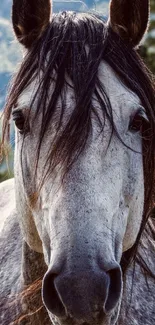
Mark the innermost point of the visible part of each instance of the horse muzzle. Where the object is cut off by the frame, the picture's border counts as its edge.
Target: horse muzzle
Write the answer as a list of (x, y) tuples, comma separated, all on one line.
[(84, 295)]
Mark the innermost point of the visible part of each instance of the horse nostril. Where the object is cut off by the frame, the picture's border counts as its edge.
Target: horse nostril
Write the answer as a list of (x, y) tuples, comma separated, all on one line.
[(84, 296), (114, 293), (50, 296)]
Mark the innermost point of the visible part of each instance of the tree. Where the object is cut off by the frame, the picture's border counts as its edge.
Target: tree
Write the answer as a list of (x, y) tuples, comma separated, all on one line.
[(148, 49)]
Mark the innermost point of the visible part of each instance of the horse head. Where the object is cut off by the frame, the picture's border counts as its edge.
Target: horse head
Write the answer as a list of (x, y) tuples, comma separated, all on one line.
[(81, 103)]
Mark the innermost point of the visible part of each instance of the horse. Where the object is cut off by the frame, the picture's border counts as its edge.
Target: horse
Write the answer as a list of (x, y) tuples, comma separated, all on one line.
[(77, 221)]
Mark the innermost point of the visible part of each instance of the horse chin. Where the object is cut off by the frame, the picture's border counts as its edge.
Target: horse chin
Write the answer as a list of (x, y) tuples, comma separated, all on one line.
[(110, 319)]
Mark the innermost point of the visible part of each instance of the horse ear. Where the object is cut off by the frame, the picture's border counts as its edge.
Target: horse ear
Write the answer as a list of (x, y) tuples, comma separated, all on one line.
[(129, 19), (30, 18)]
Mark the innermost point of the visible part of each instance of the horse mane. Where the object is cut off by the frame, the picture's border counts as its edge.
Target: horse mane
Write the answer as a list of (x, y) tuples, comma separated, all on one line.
[(62, 49)]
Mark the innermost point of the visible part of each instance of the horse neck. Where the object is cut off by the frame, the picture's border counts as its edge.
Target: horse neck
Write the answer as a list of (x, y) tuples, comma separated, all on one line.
[(146, 256)]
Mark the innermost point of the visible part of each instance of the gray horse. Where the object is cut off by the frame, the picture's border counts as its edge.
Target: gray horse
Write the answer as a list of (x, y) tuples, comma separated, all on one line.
[(80, 237)]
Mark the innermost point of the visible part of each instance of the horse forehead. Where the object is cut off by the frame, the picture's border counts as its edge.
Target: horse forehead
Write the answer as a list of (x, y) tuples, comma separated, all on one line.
[(116, 91)]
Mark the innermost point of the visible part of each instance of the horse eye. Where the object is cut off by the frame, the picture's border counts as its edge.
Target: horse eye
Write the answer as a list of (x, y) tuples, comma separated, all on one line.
[(19, 119), (138, 120)]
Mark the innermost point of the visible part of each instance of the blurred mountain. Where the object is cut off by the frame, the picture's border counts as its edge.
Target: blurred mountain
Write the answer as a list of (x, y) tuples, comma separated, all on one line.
[(9, 55), (5, 8)]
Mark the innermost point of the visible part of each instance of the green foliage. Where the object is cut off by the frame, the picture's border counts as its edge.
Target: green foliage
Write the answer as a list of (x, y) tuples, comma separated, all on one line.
[(152, 5), (148, 49), (6, 170), (6, 160)]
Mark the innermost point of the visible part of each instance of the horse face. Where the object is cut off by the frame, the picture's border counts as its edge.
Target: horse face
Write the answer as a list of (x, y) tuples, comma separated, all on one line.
[(85, 223)]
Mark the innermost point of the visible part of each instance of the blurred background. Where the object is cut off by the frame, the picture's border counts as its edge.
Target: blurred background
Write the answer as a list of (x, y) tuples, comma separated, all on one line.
[(10, 54)]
